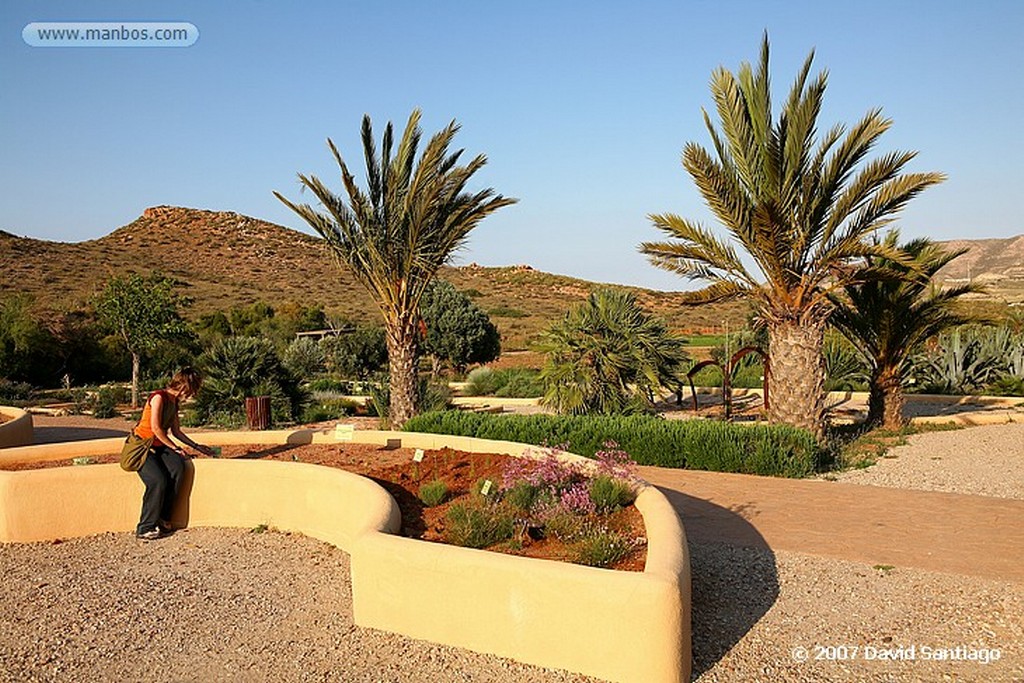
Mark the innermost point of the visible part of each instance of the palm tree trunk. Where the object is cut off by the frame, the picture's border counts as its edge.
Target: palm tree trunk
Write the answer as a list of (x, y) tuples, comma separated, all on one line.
[(797, 374), (402, 337), (135, 381), (886, 401)]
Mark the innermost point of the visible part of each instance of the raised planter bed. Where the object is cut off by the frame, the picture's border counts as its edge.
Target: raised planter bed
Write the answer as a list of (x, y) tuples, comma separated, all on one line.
[(620, 626), (15, 427)]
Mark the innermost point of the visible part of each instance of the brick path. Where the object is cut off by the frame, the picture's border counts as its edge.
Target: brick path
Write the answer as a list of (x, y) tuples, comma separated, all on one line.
[(946, 532)]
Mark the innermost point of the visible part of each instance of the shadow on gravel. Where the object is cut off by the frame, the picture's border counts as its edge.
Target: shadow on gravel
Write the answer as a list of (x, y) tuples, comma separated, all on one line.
[(734, 576)]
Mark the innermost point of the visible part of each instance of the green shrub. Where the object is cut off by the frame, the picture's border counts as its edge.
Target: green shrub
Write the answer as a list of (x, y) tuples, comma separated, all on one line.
[(328, 409), (507, 383), (14, 391), (610, 494), (601, 549), (107, 400), (481, 381), (522, 495), (477, 526), (565, 526), (773, 450), (433, 493)]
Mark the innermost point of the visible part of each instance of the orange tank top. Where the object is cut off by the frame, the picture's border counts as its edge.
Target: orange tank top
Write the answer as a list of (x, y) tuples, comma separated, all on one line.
[(170, 408)]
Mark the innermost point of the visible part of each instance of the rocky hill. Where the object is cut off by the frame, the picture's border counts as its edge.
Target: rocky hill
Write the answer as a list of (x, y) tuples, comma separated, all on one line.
[(224, 259), (998, 263)]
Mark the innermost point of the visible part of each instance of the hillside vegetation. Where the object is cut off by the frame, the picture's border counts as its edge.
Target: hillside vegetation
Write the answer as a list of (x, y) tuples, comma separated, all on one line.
[(224, 259)]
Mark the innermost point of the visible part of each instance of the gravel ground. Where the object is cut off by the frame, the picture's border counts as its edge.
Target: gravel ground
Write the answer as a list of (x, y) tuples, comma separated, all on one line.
[(231, 605), (985, 461), (207, 605)]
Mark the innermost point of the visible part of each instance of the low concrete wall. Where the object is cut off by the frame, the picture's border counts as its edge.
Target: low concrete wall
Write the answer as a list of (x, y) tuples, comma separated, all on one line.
[(17, 429), (620, 626)]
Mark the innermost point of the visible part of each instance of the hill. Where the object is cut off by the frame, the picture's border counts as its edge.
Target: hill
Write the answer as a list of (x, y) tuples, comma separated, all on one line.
[(224, 259), (998, 263)]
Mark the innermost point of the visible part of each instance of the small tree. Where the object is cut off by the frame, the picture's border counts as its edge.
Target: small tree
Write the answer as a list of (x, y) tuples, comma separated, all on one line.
[(359, 353), (890, 316), (607, 356), (458, 331), (142, 312)]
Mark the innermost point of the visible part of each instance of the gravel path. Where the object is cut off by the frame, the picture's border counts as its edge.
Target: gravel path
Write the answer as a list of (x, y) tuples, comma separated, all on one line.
[(231, 605), (985, 461)]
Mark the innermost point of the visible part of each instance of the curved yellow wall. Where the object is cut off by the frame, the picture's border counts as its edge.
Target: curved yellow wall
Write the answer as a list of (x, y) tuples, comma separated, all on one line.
[(620, 626), (17, 430)]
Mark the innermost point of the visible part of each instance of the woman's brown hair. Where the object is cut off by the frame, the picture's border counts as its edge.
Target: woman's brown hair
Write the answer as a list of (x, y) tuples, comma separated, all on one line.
[(186, 382)]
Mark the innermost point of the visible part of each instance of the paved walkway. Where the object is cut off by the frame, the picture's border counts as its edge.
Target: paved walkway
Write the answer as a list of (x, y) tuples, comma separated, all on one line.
[(945, 532)]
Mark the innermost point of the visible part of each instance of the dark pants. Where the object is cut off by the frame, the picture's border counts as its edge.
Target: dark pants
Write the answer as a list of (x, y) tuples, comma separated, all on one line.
[(162, 474)]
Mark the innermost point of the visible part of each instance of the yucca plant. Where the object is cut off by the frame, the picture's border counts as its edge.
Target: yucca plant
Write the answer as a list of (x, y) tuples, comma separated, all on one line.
[(887, 318), (396, 235), (802, 208)]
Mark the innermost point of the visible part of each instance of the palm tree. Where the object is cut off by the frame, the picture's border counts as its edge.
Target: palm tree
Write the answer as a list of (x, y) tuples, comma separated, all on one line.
[(889, 317), (801, 209), (396, 235), (607, 356)]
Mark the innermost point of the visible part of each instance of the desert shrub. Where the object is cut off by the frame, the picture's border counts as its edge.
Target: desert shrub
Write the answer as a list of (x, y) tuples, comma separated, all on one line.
[(1006, 386), (329, 384), (520, 383), (14, 391), (773, 450), (564, 525), (601, 549), (323, 409), (477, 526), (107, 400), (507, 383), (239, 367), (482, 381), (431, 397), (608, 493), (433, 493), (522, 495), (304, 357), (358, 354)]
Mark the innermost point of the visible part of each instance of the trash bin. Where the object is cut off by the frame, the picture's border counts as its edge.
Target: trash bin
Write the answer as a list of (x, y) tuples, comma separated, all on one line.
[(257, 412)]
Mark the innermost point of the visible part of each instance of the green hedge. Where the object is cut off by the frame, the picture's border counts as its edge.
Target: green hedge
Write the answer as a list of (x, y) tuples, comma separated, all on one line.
[(772, 450)]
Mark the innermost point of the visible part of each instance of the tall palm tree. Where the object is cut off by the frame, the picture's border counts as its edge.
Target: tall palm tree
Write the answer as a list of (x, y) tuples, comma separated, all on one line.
[(607, 355), (888, 318), (397, 234), (801, 208)]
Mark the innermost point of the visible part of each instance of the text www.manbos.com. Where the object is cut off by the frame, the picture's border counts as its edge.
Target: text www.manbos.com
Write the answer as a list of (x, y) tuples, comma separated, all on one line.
[(110, 34)]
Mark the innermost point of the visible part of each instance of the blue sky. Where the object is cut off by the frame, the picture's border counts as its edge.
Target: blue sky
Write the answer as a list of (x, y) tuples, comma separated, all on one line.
[(581, 108)]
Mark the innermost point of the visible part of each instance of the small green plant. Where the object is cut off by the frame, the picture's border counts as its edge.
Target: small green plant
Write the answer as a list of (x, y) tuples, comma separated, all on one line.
[(565, 526), (884, 568), (478, 526), (602, 549), (609, 493), (433, 493), (82, 461), (259, 529), (522, 495)]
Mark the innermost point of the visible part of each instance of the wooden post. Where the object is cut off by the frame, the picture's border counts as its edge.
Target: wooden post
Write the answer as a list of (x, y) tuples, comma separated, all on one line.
[(257, 412)]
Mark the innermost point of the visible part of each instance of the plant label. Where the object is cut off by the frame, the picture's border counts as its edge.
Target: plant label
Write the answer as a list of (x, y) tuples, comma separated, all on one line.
[(343, 432), (418, 455), (485, 488)]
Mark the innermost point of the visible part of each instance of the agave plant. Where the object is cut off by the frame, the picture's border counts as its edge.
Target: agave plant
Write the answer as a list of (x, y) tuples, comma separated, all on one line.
[(960, 361)]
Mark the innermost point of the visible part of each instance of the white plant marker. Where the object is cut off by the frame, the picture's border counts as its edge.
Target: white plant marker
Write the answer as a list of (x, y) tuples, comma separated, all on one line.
[(485, 488), (418, 455), (343, 432)]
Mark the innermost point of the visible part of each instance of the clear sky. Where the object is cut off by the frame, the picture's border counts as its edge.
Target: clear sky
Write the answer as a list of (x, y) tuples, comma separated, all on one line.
[(581, 108)]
